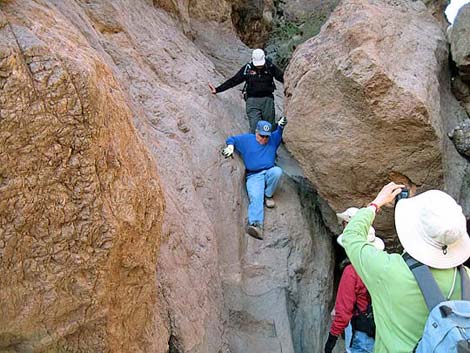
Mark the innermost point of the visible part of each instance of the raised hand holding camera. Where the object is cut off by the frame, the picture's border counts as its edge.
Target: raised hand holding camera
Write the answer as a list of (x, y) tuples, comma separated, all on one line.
[(388, 194)]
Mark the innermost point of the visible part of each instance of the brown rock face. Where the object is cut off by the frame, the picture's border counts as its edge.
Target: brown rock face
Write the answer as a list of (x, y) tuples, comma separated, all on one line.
[(437, 8), (80, 202), (363, 98)]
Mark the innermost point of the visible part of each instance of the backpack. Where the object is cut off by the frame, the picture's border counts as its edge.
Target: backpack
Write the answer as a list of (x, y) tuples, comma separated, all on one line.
[(447, 328), (364, 322), (249, 66)]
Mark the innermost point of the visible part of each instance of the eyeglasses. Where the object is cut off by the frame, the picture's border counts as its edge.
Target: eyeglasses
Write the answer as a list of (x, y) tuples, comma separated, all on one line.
[(264, 137)]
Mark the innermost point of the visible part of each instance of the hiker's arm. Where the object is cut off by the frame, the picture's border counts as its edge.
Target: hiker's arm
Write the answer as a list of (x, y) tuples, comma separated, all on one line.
[(276, 136), (345, 300), (278, 74), (236, 141), (370, 263), (232, 82)]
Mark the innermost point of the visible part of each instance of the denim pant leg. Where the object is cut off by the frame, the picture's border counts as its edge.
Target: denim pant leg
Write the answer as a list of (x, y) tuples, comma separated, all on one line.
[(361, 343), (272, 176), (347, 338), (255, 190)]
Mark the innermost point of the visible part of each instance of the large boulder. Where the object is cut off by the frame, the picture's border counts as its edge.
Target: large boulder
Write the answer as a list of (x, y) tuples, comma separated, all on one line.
[(81, 208), (364, 101)]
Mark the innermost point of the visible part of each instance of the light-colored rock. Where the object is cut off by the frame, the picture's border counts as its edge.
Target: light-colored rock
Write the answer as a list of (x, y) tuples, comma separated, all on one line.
[(460, 42), (437, 9), (460, 135)]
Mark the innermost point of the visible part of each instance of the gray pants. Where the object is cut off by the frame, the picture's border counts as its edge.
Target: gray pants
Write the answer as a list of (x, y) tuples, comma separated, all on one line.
[(260, 109)]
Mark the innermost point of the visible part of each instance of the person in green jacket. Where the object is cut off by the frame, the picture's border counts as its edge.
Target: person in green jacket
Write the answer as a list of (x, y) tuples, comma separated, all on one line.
[(432, 229)]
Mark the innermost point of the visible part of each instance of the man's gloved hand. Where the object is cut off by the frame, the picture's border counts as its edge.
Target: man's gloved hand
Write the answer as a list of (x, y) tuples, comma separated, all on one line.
[(228, 151), (330, 343), (282, 122)]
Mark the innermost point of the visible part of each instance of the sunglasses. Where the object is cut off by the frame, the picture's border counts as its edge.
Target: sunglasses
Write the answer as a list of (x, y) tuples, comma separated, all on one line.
[(264, 137)]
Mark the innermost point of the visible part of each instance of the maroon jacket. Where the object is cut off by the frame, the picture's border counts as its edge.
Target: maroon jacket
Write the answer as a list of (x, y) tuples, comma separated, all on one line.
[(352, 295)]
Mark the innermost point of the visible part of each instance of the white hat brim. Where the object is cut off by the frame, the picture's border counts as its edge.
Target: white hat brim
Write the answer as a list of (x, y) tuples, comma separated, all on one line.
[(411, 235)]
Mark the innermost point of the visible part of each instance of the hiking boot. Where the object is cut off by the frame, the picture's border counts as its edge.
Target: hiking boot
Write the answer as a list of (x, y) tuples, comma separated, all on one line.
[(269, 202), (255, 230)]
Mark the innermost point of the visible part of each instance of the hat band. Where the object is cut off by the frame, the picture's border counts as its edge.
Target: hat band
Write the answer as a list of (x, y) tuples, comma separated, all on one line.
[(436, 244)]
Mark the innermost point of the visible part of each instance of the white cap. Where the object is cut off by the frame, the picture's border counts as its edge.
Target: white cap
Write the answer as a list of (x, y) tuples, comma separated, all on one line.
[(347, 215), (258, 57), (371, 239)]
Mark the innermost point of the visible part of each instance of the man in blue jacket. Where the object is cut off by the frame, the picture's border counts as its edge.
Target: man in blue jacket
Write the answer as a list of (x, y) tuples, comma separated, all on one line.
[(258, 152)]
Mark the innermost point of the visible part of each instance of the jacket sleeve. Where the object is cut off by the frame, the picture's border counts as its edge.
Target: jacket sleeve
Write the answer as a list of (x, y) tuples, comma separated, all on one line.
[(345, 301), (278, 73), (370, 263), (237, 142), (276, 136), (231, 140), (232, 82)]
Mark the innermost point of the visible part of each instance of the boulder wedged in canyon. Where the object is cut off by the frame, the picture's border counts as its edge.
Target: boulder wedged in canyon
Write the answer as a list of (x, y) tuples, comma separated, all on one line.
[(379, 105), (135, 68), (81, 206)]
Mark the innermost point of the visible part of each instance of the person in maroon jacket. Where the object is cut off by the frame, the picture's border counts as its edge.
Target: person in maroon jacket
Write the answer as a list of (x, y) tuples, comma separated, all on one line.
[(352, 301)]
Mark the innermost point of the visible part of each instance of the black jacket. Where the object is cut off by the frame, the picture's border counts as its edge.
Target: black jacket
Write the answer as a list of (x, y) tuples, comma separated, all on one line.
[(259, 82)]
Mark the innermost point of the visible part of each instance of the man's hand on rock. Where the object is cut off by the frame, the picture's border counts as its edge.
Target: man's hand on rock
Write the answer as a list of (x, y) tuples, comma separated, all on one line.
[(212, 88), (228, 151)]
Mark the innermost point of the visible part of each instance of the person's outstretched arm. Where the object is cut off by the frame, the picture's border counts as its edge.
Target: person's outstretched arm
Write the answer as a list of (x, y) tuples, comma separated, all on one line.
[(370, 263), (231, 82)]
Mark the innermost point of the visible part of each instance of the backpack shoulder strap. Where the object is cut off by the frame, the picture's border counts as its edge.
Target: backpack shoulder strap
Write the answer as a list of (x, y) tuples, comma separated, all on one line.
[(247, 67), (465, 283), (426, 282)]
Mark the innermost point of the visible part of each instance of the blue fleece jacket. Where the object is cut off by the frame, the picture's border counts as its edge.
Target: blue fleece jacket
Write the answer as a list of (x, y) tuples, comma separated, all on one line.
[(257, 157)]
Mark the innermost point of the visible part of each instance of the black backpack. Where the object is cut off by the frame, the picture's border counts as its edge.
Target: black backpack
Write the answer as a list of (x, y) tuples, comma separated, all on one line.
[(364, 321), (248, 66)]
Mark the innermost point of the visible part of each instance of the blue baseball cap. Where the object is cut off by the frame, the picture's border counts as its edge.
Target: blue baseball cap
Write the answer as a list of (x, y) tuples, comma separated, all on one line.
[(263, 128)]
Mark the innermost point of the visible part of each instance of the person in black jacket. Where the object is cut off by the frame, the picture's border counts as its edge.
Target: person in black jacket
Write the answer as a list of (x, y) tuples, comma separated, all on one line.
[(258, 76)]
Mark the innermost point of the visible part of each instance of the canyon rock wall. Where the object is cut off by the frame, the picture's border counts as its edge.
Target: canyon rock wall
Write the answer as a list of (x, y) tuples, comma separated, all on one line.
[(80, 200)]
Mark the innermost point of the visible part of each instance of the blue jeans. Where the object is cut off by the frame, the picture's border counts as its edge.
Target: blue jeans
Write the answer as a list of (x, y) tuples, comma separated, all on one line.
[(347, 338), (361, 343), (258, 186)]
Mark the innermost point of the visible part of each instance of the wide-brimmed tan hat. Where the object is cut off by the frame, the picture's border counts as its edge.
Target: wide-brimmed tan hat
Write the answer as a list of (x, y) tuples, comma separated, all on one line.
[(346, 215), (371, 238), (432, 229)]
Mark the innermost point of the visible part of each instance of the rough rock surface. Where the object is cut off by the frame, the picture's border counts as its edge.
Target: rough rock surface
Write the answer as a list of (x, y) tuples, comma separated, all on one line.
[(131, 67), (461, 137), (80, 203), (437, 8), (374, 79), (460, 42), (299, 10)]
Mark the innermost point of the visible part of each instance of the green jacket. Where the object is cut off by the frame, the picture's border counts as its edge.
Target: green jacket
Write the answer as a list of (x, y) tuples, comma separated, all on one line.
[(399, 308)]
